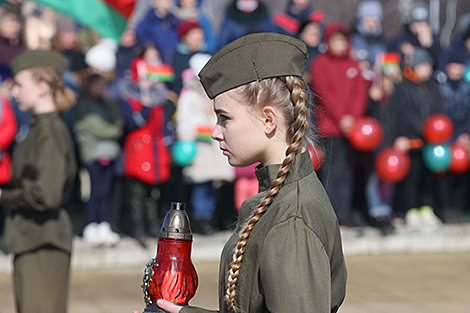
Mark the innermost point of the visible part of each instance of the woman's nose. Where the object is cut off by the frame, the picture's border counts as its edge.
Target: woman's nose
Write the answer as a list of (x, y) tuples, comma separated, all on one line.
[(216, 133)]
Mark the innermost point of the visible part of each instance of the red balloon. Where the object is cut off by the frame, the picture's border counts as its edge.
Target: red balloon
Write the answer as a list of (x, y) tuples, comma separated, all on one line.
[(460, 159), (438, 129), (366, 134), (392, 165), (316, 154)]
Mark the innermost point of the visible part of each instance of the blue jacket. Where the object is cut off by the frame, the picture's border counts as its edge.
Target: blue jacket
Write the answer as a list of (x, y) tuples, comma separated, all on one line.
[(456, 96), (237, 24), (162, 32)]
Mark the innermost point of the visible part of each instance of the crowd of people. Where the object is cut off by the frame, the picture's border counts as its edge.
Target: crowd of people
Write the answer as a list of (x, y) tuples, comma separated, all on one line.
[(142, 122)]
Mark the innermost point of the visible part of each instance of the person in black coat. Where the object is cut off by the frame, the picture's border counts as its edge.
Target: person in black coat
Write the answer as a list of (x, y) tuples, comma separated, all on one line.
[(455, 91), (413, 101), (417, 34)]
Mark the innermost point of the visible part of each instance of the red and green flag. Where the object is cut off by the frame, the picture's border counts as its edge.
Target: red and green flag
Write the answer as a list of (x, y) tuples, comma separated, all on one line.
[(107, 17), (161, 72), (388, 59)]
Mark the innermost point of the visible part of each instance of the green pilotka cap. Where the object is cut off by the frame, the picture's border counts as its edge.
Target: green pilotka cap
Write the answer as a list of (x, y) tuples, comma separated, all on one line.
[(253, 57), (34, 58)]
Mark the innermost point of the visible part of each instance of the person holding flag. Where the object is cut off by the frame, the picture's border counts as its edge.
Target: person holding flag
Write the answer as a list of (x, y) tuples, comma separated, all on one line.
[(143, 100)]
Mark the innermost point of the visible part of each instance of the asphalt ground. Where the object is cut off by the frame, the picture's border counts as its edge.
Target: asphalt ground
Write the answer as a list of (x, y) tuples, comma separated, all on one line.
[(385, 283)]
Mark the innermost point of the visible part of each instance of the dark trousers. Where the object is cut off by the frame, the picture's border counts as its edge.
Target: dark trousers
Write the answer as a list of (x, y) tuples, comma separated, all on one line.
[(452, 197), (344, 173), (101, 177), (143, 202), (416, 190), (41, 280)]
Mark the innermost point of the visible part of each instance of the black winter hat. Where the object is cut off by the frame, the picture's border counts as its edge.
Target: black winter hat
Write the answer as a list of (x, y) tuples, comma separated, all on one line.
[(457, 56)]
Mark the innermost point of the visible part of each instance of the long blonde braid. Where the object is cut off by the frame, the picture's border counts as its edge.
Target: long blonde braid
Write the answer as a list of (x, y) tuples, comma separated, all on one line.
[(299, 118)]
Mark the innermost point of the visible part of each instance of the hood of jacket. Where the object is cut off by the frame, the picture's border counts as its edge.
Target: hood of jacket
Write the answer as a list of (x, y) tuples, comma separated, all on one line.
[(338, 27)]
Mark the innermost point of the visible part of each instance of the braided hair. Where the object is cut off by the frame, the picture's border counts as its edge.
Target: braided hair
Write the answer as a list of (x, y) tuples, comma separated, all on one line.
[(291, 95)]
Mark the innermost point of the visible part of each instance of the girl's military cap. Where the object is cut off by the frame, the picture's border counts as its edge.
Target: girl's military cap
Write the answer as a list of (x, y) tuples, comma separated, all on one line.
[(251, 58), (34, 58)]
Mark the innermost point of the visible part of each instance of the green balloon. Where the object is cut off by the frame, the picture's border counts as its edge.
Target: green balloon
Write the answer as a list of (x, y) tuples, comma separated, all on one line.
[(466, 74), (437, 157), (183, 152)]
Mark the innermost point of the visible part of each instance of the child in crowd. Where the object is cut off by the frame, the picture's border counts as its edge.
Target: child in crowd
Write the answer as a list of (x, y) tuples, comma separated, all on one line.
[(413, 101), (159, 27), (195, 120), (146, 154), (455, 91), (189, 10), (342, 97), (11, 35), (244, 17), (98, 126), (191, 42)]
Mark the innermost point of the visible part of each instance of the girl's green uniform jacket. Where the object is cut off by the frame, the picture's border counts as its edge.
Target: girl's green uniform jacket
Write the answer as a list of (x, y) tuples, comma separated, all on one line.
[(294, 259), (44, 167)]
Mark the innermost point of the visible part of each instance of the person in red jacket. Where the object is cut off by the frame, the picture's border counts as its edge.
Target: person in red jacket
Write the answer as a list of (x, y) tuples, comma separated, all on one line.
[(342, 98), (147, 157), (8, 128)]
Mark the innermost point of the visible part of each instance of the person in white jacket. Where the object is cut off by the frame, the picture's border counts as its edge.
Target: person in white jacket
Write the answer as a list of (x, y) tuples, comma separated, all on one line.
[(195, 120)]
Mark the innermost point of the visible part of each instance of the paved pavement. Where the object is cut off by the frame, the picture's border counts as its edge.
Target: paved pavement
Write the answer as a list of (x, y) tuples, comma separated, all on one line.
[(425, 271)]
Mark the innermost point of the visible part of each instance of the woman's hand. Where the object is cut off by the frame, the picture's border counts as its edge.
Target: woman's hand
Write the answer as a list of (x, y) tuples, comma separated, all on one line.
[(168, 306)]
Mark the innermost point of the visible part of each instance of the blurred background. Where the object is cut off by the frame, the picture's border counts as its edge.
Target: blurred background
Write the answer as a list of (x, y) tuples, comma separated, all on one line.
[(404, 210)]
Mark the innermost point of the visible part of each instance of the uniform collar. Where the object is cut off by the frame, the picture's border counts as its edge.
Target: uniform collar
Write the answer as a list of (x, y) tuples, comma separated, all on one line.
[(44, 117), (267, 174)]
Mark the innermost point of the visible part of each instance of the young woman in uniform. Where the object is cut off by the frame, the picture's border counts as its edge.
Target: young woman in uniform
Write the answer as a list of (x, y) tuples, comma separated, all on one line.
[(38, 231), (285, 254)]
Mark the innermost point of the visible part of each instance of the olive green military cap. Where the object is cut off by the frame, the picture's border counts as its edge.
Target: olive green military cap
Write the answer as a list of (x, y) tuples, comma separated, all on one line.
[(253, 57), (34, 58)]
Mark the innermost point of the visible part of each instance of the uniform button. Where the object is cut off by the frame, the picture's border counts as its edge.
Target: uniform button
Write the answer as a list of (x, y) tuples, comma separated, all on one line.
[(146, 138)]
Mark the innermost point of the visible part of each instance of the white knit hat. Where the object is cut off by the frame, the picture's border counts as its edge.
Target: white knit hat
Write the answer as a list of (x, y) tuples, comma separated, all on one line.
[(103, 55), (197, 62)]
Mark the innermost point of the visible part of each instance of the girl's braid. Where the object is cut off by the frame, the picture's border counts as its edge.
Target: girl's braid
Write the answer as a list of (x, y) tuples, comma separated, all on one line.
[(298, 129)]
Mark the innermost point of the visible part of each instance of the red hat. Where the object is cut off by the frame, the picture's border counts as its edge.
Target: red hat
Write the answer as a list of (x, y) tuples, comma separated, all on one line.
[(186, 26), (336, 27)]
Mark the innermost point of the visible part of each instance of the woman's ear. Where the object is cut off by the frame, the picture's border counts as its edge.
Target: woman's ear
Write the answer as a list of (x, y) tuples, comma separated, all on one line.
[(270, 120), (44, 88)]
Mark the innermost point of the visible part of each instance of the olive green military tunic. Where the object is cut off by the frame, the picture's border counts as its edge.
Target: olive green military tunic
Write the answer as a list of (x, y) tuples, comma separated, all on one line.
[(293, 260), (39, 229)]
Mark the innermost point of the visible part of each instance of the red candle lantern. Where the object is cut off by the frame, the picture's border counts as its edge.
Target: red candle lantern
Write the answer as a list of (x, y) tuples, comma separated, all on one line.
[(171, 274)]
